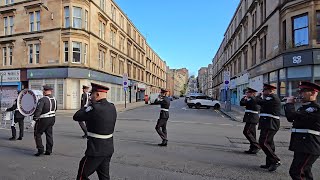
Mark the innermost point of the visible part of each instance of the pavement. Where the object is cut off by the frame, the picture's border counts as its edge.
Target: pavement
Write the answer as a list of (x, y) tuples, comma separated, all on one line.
[(237, 113), (204, 144)]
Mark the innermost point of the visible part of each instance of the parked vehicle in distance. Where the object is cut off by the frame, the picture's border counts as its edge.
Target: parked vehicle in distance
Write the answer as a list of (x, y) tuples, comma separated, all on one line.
[(203, 101), (175, 97), (153, 97), (192, 94)]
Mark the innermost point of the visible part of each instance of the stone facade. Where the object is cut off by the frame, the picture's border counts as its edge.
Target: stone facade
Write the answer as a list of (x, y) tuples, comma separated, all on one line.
[(77, 42)]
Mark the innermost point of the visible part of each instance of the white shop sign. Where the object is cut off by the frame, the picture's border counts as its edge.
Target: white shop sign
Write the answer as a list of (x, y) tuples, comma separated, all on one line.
[(10, 76), (256, 83)]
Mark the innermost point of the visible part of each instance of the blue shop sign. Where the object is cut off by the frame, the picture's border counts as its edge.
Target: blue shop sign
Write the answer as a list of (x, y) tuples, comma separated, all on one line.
[(47, 73)]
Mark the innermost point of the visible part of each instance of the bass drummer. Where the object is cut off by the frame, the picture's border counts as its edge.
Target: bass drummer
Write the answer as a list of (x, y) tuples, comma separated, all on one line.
[(18, 118)]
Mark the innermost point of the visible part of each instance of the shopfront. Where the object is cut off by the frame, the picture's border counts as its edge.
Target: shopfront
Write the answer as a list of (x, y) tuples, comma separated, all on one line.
[(12, 82), (67, 84), (242, 84), (233, 91)]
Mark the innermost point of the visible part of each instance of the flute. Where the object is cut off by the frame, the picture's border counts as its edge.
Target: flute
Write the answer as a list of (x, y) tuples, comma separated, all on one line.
[(295, 98)]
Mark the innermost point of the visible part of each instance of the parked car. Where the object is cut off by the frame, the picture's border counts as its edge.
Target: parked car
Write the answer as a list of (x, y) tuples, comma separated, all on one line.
[(192, 94), (203, 101), (175, 97)]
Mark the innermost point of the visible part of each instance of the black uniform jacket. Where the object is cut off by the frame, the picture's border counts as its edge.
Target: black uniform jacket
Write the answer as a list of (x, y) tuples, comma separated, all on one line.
[(270, 104), (164, 104), (306, 117), (84, 98), (17, 114), (250, 104), (44, 107), (100, 119)]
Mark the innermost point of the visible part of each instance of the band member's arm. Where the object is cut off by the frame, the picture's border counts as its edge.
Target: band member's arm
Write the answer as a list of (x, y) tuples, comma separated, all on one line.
[(291, 112), (13, 107), (83, 100), (259, 100), (83, 114), (243, 102), (38, 111)]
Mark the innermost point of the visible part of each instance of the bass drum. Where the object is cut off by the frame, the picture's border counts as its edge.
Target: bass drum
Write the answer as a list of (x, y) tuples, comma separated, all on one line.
[(28, 100)]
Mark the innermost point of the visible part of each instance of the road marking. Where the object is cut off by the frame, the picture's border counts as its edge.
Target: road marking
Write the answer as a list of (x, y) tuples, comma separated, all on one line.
[(225, 124)]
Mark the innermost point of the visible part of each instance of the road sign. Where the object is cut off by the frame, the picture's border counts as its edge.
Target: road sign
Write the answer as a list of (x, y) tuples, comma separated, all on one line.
[(125, 83)]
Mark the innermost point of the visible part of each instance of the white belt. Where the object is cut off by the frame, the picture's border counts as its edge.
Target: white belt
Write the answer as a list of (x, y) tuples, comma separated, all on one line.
[(164, 109), (99, 136), (269, 115), (309, 131), (250, 111), (47, 115)]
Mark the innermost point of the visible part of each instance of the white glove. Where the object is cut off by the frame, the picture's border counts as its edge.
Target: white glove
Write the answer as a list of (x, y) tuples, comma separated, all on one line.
[(32, 123)]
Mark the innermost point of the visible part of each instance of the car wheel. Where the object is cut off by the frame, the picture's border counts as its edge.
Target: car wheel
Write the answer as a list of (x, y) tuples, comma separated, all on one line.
[(216, 106), (198, 106), (190, 106)]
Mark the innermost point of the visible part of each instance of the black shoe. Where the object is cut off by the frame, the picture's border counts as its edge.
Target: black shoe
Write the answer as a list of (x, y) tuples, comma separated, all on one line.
[(265, 166), (20, 138), (250, 151), (47, 153), (84, 136), (39, 153), (12, 139), (164, 143), (274, 167)]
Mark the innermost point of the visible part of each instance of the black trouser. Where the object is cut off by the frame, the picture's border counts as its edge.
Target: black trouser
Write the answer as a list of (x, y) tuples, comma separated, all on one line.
[(249, 132), (88, 165), (267, 145), (21, 128), (161, 128), (44, 125), (83, 127), (301, 166)]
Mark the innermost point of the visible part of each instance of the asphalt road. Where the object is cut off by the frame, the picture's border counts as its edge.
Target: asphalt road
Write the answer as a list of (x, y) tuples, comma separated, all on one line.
[(203, 144)]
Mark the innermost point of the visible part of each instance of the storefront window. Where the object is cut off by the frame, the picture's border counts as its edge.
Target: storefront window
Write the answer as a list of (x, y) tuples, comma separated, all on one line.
[(273, 76), (282, 74), (283, 91)]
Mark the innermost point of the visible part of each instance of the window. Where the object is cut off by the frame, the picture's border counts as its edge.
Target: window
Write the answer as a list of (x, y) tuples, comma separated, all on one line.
[(5, 25), (121, 21), (300, 30), (134, 72), (66, 51), (112, 63), (37, 53), (4, 55), (103, 4), (101, 59), (129, 69), (129, 49), (76, 48), (254, 21), (263, 48), (113, 37), (113, 13), (121, 44), (77, 17), (102, 27), (129, 29), (245, 28), (66, 17), (85, 53), (246, 4), (34, 18), (284, 34), (8, 1), (30, 53), (121, 67), (254, 54), (86, 14), (318, 27), (11, 24), (38, 20), (239, 64), (10, 55), (262, 11)]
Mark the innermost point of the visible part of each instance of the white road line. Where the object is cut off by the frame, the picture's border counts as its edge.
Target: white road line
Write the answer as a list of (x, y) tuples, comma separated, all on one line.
[(225, 124)]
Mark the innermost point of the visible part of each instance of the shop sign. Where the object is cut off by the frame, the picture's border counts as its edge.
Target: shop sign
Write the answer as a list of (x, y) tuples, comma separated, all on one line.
[(141, 86), (298, 59), (10, 76), (47, 73), (244, 79), (267, 67)]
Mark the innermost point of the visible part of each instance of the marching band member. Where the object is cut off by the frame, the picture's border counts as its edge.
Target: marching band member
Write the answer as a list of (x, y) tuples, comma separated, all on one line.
[(44, 116), (269, 124), (18, 118), (84, 103), (100, 117), (305, 136)]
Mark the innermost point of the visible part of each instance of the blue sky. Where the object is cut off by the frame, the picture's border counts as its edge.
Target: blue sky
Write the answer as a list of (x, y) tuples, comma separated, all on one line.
[(184, 33)]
